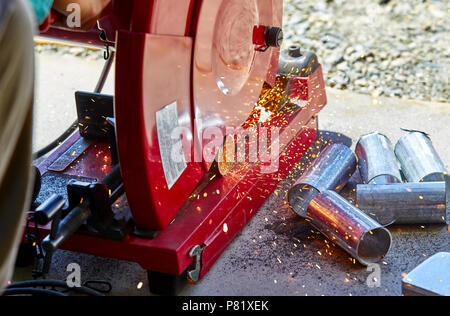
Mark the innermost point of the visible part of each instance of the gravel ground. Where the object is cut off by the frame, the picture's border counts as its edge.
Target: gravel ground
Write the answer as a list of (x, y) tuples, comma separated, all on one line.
[(81, 52), (397, 49), (400, 48)]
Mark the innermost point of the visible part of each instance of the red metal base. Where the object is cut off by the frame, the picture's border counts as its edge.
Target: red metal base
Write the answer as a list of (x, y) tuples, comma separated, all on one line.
[(192, 61), (212, 219), (213, 216)]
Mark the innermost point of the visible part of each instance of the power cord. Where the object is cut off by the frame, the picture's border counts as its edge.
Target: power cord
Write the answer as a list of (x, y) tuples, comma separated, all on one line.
[(50, 288)]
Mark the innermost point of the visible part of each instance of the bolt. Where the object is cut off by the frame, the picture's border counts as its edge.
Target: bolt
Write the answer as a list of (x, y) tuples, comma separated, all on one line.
[(274, 36), (295, 51)]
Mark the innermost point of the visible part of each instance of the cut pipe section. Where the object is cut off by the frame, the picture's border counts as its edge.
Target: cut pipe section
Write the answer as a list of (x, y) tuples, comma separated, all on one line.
[(345, 225), (419, 160), (406, 203), (376, 160), (331, 170)]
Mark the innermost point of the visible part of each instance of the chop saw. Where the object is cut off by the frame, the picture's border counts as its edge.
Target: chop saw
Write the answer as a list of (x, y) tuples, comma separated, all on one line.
[(162, 172)]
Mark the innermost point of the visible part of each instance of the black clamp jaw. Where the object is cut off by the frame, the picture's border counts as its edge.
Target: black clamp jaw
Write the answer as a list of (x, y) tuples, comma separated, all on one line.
[(89, 205)]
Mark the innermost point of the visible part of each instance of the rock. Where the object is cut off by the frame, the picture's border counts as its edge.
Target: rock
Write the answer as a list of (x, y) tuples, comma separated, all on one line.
[(334, 59), (343, 66), (340, 80), (77, 51), (361, 82), (400, 77), (301, 28)]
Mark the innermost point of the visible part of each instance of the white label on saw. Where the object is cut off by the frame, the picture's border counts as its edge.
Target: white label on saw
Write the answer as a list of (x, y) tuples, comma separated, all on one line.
[(170, 146)]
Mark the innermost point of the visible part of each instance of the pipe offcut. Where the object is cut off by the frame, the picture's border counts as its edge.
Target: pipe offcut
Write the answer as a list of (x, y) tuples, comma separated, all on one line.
[(419, 160), (376, 160), (313, 197), (406, 203), (332, 169), (345, 225)]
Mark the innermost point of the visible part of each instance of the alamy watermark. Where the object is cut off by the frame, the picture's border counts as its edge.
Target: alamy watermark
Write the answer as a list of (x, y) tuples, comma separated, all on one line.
[(374, 279), (73, 280), (229, 145), (74, 15)]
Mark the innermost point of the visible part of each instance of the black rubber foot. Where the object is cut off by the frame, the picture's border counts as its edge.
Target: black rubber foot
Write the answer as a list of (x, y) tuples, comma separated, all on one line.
[(166, 284), (25, 256)]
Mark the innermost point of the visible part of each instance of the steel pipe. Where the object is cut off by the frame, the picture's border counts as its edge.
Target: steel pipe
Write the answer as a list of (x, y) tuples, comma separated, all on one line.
[(419, 160), (376, 160), (332, 169), (406, 203), (345, 225)]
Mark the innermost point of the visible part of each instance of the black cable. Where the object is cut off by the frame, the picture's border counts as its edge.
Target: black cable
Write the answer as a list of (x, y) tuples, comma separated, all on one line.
[(54, 284), (56, 142), (31, 291), (95, 285)]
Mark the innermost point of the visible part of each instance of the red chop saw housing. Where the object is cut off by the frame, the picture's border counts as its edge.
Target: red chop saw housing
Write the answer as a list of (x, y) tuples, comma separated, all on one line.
[(198, 57), (199, 54), (203, 59)]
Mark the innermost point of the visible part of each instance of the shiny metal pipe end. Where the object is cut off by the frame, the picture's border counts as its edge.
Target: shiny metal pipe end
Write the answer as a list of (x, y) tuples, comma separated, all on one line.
[(331, 170), (419, 160), (300, 196), (347, 226), (376, 160)]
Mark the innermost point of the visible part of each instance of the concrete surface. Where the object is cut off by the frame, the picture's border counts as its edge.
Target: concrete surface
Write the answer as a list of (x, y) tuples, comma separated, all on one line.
[(277, 253), (58, 78)]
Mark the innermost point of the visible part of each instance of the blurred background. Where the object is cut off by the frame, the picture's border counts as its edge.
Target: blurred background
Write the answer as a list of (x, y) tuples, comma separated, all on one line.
[(381, 48), (397, 48)]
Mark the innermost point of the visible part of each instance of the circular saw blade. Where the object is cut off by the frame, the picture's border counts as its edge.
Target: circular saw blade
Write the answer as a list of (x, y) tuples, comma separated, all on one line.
[(228, 71)]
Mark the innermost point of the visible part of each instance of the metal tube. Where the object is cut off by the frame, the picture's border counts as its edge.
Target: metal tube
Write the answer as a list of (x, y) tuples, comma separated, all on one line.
[(48, 210), (344, 224), (376, 160), (420, 161), (330, 171), (105, 72), (68, 226), (405, 203)]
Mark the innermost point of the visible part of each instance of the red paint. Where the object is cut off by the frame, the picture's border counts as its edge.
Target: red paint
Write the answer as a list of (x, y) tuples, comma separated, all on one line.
[(152, 72), (231, 200), (201, 222), (259, 37), (95, 163), (157, 64)]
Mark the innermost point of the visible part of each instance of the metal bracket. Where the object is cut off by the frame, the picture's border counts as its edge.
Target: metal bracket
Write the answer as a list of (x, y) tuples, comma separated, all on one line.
[(194, 275)]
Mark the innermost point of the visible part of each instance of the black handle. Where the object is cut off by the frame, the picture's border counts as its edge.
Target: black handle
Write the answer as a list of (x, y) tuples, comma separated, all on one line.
[(48, 210), (68, 226)]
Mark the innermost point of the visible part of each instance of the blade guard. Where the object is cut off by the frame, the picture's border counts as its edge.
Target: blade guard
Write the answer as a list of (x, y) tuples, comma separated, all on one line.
[(228, 70), (153, 71)]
